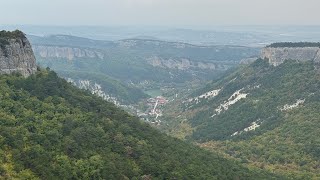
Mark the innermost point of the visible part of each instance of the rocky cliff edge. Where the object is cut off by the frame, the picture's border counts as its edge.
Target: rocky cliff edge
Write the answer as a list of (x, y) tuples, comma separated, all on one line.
[(277, 55), (16, 54)]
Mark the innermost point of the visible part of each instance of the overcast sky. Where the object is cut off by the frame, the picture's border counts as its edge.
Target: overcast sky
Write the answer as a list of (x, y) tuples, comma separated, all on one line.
[(160, 12)]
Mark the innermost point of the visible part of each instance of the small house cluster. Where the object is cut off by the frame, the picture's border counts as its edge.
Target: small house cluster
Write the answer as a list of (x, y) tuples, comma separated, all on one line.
[(154, 109)]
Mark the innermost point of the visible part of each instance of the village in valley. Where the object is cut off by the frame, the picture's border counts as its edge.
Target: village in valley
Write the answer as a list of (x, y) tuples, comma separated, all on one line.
[(153, 110), (150, 110)]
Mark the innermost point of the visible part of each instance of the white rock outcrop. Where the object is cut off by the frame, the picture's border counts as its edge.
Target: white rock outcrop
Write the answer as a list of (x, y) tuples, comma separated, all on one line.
[(253, 126), (235, 97), (94, 88), (292, 106), (207, 95)]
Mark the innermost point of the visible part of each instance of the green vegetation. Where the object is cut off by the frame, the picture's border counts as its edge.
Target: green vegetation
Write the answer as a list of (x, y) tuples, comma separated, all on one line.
[(123, 92), (3, 43), (52, 130), (12, 34), (294, 44), (84, 69), (278, 86), (287, 141), (292, 148)]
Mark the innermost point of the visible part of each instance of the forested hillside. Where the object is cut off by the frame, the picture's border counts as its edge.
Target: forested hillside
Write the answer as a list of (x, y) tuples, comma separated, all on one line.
[(52, 130), (263, 115)]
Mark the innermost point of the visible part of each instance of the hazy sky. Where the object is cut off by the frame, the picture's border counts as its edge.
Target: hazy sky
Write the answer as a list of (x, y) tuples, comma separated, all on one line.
[(160, 12)]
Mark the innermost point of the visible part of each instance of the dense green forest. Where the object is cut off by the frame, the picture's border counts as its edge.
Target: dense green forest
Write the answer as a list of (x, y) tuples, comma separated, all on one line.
[(283, 101), (52, 130), (277, 86)]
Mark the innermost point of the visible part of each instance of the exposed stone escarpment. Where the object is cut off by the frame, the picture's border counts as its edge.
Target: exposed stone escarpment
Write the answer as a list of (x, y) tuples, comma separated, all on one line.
[(277, 55), (182, 63), (69, 53), (16, 54)]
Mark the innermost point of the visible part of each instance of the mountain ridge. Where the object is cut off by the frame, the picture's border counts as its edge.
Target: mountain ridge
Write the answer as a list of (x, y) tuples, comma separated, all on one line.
[(256, 115), (114, 55)]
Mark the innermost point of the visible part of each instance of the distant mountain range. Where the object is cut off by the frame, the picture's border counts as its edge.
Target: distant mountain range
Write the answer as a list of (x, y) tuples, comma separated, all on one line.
[(135, 63), (219, 35)]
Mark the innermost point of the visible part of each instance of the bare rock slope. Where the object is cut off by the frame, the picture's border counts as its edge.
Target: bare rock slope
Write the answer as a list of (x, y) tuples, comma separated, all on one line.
[(69, 53), (16, 54)]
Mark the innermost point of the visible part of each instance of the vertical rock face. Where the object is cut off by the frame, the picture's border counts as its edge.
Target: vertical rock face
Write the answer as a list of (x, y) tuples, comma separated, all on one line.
[(16, 54), (277, 55), (69, 53)]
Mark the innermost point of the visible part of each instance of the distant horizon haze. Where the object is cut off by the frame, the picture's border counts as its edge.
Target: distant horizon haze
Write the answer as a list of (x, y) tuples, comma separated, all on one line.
[(168, 13)]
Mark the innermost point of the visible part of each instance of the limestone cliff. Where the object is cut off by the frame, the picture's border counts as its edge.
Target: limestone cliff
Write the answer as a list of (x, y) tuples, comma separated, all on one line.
[(69, 53), (277, 55), (16, 54), (183, 64)]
